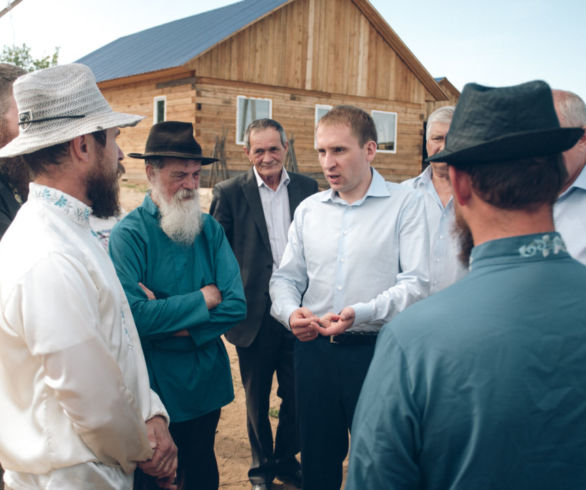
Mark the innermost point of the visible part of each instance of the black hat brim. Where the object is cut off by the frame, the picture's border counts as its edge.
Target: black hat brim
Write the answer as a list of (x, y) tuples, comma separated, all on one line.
[(174, 154), (514, 146)]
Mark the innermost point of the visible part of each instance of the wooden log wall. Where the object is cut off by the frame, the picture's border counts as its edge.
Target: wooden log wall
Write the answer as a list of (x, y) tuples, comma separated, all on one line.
[(295, 110)]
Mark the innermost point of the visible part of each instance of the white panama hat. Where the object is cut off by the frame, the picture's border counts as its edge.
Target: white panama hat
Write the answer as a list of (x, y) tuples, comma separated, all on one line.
[(58, 104)]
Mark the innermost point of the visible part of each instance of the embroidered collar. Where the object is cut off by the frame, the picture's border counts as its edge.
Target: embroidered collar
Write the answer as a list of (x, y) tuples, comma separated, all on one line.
[(68, 205), (538, 246)]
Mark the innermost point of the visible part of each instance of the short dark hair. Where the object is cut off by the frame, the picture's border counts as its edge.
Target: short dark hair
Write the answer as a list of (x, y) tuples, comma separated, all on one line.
[(360, 122), (518, 185), (8, 73), (39, 160), (264, 124)]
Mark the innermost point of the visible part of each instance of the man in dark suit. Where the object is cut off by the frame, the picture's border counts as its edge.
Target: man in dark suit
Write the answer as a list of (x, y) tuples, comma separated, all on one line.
[(256, 210)]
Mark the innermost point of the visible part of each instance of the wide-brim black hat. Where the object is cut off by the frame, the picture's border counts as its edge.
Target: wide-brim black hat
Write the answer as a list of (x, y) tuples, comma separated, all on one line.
[(173, 139), (495, 124)]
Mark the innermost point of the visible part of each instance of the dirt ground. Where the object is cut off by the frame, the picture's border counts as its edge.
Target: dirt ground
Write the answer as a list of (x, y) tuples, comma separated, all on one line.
[(232, 449)]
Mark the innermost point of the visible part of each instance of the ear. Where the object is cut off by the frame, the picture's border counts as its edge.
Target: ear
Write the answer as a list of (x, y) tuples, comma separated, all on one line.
[(370, 148), (461, 185), (80, 147), (150, 172), (247, 152)]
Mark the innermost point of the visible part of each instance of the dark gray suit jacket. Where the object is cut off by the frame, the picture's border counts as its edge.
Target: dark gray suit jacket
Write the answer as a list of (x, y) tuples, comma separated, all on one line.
[(237, 206), (9, 206)]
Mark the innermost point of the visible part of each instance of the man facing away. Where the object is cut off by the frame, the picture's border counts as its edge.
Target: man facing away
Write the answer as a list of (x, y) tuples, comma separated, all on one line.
[(434, 183), (482, 385), (184, 288), (74, 391), (13, 176), (255, 210), (357, 255), (569, 211)]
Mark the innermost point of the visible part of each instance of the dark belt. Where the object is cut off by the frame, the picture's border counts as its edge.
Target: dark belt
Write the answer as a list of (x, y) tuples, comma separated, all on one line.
[(354, 338)]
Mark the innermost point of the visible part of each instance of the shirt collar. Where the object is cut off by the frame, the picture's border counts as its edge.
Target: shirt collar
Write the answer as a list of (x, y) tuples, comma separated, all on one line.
[(579, 183), (536, 246), (149, 205), (68, 205), (260, 183), (423, 179), (377, 188)]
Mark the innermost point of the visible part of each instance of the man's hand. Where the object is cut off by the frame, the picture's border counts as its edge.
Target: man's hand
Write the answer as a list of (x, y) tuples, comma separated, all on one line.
[(149, 294), (304, 324), (163, 463), (332, 324), (211, 295)]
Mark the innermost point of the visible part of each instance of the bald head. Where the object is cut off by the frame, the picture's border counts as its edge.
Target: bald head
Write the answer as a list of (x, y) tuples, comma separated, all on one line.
[(571, 112)]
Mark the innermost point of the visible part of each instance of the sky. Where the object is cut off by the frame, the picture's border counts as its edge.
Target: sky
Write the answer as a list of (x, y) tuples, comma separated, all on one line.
[(502, 42)]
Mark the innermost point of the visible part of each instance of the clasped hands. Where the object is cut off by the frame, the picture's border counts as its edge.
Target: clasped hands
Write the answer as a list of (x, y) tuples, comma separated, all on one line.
[(163, 463), (306, 326)]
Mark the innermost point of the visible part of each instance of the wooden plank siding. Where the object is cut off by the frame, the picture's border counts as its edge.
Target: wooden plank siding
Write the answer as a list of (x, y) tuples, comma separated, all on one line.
[(295, 110), (305, 53)]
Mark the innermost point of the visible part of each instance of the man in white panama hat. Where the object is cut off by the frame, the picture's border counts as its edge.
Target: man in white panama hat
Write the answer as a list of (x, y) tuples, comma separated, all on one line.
[(77, 408)]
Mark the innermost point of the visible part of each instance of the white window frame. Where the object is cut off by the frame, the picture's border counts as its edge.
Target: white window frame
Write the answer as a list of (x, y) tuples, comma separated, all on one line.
[(156, 101), (325, 107), (394, 150), (240, 137)]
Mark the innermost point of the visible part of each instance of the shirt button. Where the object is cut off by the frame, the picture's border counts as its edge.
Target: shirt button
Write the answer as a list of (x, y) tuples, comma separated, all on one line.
[(342, 259), (339, 288)]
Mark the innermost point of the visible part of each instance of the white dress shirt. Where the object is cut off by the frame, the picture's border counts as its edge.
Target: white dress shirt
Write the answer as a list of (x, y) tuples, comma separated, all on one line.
[(444, 266), (275, 206), (74, 389), (569, 213), (370, 255)]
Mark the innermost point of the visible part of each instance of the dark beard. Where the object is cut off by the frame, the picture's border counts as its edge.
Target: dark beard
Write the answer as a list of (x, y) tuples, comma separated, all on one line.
[(103, 191), (465, 239), (15, 172)]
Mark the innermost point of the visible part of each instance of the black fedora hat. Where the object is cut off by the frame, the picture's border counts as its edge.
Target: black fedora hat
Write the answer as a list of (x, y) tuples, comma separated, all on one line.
[(173, 139), (505, 123)]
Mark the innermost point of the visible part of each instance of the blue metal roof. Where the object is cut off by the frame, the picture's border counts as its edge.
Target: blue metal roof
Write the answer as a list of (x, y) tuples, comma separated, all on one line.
[(175, 43)]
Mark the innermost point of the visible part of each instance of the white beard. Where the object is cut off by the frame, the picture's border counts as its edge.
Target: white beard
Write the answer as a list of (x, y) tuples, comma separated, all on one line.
[(181, 218)]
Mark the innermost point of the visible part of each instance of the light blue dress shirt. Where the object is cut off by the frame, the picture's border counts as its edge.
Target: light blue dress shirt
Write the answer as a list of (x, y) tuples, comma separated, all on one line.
[(370, 255), (569, 214), (444, 266)]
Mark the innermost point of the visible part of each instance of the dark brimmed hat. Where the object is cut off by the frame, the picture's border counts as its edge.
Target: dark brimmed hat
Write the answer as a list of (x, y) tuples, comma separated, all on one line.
[(173, 139), (505, 123)]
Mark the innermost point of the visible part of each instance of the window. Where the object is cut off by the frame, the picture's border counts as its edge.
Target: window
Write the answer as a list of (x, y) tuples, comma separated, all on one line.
[(249, 109), (320, 111), (159, 109), (386, 128)]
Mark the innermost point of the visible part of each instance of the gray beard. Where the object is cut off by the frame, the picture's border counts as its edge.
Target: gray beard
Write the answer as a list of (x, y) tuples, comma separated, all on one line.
[(181, 218)]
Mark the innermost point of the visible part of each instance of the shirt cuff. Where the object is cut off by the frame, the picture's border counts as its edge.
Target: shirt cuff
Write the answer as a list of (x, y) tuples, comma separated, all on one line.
[(362, 313)]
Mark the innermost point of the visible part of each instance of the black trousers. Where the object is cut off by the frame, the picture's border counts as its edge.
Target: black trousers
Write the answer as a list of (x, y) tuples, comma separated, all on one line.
[(328, 382), (197, 468), (271, 351)]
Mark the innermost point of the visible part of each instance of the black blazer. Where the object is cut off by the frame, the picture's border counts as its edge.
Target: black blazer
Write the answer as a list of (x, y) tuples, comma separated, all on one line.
[(237, 206)]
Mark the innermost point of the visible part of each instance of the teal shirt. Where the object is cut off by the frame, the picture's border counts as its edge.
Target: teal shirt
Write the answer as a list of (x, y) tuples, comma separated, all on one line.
[(482, 385), (190, 374)]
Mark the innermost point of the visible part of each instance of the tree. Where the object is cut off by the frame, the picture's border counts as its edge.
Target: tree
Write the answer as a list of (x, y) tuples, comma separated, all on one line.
[(21, 56)]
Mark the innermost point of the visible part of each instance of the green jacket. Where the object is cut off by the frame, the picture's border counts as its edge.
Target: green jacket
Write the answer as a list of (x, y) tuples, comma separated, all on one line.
[(190, 374)]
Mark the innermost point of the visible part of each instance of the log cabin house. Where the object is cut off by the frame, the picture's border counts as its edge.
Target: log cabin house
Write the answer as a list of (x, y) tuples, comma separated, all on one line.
[(287, 59)]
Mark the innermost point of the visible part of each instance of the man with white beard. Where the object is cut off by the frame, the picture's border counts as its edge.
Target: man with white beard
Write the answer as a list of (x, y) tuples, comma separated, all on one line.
[(184, 288)]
